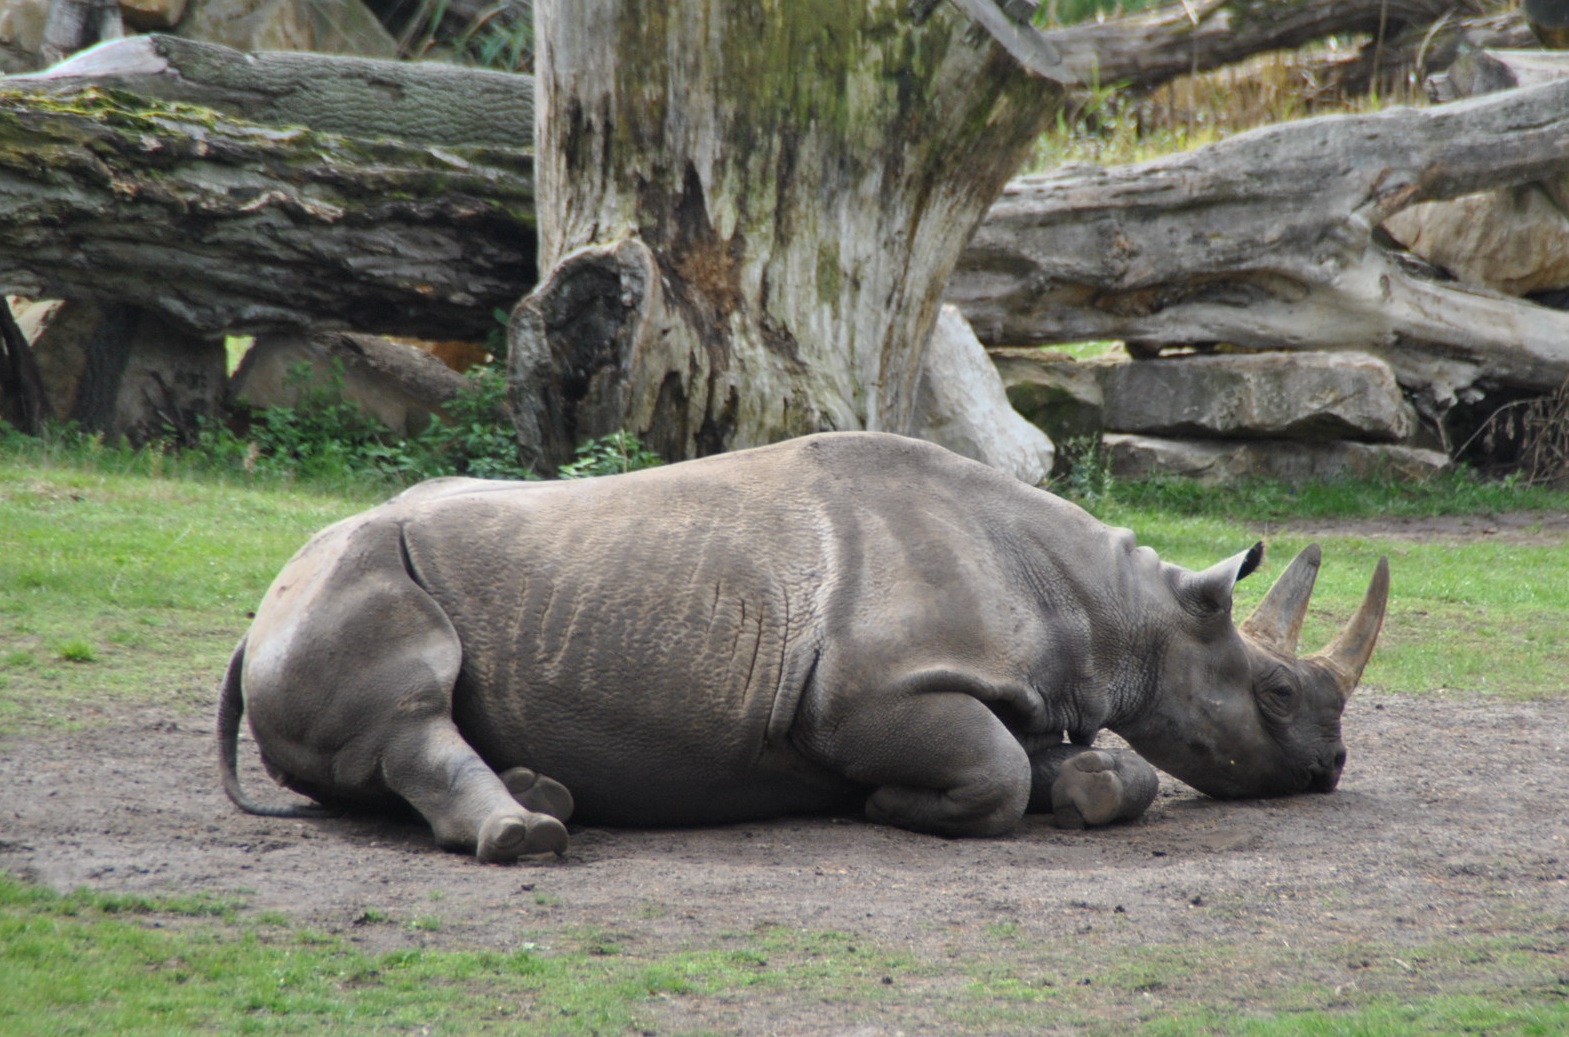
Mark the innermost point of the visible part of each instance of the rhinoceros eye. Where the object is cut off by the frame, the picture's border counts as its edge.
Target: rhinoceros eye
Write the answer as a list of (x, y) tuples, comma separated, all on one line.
[(1278, 687)]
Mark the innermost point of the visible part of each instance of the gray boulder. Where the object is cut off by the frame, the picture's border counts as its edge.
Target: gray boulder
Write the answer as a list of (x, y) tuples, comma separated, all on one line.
[(1217, 461), (1053, 391), (964, 406), (1285, 395), (398, 384), (121, 371)]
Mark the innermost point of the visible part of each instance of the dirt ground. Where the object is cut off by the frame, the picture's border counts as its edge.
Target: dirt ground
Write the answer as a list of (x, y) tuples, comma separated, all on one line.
[(1448, 830)]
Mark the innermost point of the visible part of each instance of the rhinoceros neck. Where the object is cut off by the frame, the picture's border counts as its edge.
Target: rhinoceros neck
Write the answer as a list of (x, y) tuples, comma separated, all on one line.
[(1106, 608)]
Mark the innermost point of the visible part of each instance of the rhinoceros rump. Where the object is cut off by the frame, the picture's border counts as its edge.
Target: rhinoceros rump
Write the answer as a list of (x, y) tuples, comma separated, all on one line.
[(845, 618)]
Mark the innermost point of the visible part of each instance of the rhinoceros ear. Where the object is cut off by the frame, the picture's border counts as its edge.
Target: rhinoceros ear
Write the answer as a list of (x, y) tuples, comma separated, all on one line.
[(1209, 592)]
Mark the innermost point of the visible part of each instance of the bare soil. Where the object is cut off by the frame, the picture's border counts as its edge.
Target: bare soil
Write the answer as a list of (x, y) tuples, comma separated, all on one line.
[(1448, 826), (1440, 866)]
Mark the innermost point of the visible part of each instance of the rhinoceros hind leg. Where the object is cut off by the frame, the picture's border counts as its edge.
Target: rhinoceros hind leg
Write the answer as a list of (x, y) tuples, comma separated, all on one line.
[(466, 803), (538, 793), (506, 837), (1097, 787)]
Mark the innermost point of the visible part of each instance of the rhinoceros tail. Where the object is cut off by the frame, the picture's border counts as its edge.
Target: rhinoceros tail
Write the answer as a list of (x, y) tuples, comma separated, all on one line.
[(231, 707)]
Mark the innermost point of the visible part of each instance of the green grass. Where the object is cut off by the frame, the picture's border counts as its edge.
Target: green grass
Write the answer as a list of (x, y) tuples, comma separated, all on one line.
[(120, 582), (87, 963), (124, 588)]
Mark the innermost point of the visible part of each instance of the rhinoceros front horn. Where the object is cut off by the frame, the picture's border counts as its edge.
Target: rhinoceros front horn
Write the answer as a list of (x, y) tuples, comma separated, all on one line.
[(1277, 621), (1349, 653)]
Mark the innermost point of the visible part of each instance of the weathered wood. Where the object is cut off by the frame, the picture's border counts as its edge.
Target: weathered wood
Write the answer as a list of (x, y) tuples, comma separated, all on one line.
[(1149, 48), (1516, 239), (420, 102), (1265, 240), (1405, 56), (227, 226), (763, 203)]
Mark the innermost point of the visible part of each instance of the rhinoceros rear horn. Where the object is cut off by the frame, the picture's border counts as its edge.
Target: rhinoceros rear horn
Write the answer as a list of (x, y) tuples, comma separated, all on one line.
[(1277, 621), (1349, 653)]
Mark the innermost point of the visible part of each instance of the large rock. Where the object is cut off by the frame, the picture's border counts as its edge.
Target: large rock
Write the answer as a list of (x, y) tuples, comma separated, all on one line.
[(21, 34), (1291, 461), (152, 15), (1053, 391), (396, 383), (964, 407), (1286, 395), (336, 27), (1514, 241), (122, 371)]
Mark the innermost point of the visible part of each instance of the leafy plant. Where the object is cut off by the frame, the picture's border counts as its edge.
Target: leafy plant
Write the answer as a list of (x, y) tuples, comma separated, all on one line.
[(323, 434), (476, 437), (609, 455), (1089, 479)]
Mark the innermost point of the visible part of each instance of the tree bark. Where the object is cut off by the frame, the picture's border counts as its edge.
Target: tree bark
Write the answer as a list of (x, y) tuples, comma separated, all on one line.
[(419, 102), (1266, 240), (224, 226), (749, 213)]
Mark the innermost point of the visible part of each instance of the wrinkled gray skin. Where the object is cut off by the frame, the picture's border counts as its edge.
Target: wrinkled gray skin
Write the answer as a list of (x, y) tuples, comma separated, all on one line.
[(851, 618)]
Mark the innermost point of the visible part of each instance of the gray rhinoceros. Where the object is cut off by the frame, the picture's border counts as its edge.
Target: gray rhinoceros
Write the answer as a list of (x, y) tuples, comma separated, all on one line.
[(840, 619)]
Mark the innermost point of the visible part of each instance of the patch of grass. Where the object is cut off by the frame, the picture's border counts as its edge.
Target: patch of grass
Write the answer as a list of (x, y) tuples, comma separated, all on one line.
[(149, 579), (152, 577), (76, 650), (1453, 493), (90, 963), (76, 964)]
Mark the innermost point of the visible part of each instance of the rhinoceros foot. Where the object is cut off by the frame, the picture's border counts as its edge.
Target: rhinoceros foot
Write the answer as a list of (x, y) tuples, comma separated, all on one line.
[(508, 836), (538, 793), (1098, 787)]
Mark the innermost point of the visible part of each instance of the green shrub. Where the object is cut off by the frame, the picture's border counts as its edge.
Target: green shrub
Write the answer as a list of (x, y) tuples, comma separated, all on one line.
[(325, 438), (609, 455)]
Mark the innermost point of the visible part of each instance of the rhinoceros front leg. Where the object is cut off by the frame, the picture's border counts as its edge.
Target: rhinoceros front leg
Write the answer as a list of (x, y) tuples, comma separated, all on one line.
[(1083, 787), (940, 762)]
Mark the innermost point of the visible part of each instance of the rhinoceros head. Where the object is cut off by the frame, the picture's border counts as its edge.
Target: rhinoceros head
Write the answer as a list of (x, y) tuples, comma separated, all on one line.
[(1240, 714)]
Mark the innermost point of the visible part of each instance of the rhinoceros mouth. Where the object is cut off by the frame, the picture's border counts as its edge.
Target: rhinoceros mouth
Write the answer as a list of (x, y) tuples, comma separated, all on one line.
[(1326, 779)]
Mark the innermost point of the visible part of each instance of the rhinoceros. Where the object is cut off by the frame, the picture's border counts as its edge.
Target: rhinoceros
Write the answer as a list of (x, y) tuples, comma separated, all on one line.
[(841, 620)]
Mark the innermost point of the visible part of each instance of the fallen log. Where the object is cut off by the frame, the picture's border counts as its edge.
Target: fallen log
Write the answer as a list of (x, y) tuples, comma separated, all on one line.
[(1266, 240), (1149, 48), (230, 226), (1514, 240)]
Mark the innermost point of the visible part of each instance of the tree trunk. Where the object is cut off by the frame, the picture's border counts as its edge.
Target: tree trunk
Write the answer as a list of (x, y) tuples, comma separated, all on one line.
[(1266, 240), (748, 214)]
